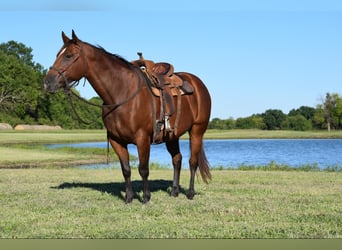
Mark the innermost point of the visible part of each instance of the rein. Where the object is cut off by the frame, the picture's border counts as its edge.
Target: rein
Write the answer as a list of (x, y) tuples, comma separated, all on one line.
[(69, 93)]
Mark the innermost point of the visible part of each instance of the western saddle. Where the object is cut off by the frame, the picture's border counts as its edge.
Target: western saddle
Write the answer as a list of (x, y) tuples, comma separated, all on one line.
[(165, 84)]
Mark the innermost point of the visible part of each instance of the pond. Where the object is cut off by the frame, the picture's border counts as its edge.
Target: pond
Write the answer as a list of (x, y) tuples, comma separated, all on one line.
[(233, 153)]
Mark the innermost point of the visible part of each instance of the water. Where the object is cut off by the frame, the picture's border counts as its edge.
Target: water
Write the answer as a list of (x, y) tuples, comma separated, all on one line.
[(234, 153)]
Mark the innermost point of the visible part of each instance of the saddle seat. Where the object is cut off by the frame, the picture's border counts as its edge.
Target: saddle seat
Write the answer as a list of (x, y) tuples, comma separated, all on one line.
[(163, 68)]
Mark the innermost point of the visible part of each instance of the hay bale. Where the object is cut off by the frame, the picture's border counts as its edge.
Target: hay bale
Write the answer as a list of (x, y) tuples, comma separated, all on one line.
[(5, 126), (36, 127), (19, 127)]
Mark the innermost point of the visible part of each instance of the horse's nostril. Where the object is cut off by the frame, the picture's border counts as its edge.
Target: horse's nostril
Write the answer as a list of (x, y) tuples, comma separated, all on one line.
[(49, 79), (49, 82)]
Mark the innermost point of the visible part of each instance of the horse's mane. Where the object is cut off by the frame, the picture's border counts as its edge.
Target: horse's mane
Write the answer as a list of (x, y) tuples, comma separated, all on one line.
[(120, 58)]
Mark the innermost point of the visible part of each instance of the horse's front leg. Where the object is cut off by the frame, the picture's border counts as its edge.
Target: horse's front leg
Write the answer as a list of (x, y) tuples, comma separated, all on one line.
[(122, 152), (144, 155)]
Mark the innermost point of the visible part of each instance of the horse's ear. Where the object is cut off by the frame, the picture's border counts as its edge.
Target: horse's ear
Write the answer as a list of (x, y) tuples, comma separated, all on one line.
[(74, 37), (65, 38)]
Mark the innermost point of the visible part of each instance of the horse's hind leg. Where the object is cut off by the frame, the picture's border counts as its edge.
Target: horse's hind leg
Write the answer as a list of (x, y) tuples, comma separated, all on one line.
[(173, 148), (122, 152), (196, 141)]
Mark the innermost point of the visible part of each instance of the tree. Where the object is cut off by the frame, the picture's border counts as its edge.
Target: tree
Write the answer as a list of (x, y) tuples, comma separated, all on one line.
[(273, 118), (328, 105), (217, 123), (297, 122), (251, 122), (307, 112), (318, 120), (300, 119), (20, 80), (19, 51), (332, 110)]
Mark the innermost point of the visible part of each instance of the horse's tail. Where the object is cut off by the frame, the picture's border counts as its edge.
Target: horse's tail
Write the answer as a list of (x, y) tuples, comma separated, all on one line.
[(203, 165)]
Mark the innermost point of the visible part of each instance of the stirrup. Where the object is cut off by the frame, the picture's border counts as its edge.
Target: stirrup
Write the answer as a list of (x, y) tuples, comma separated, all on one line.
[(167, 124), (159, 126), (157, 134)]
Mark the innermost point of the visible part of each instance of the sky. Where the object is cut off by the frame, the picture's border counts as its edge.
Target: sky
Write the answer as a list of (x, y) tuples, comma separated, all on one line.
[(252, 55)]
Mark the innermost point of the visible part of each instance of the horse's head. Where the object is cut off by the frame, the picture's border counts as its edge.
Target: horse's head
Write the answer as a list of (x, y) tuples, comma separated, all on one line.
[(69, 66)]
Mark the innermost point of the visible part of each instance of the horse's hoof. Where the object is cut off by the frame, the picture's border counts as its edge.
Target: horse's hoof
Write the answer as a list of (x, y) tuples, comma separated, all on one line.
[(128, 201), (129, 198), (146, 198), (174, 192), (190, 195)]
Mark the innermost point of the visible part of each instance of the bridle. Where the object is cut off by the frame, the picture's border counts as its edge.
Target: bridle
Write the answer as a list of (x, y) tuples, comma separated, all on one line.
[(62, 70)]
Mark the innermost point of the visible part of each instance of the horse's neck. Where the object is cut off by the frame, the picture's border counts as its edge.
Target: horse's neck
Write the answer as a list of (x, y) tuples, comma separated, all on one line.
[(109, 78)]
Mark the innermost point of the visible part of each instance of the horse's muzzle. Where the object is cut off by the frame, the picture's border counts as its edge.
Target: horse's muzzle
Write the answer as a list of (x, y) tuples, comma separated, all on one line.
[(51, 83)]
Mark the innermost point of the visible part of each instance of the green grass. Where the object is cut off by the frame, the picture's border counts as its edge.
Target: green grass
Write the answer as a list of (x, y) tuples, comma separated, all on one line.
[(274, 166), (37, 155), (269, 134), (57, 136), (75, 203)]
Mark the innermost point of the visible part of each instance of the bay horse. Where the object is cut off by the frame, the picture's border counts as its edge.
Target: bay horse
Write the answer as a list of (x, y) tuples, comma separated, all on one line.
[(128, 108)]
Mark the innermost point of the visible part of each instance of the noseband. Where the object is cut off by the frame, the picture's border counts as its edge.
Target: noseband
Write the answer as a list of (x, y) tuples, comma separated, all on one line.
[(62, 70)]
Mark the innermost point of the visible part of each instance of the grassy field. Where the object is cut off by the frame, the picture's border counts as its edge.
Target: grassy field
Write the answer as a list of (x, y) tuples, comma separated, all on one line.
[(47, 201), (75, 203), (57, 136)]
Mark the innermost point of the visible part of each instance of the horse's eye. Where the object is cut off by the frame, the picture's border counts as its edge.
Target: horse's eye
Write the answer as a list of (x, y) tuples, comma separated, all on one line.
[(68, 56)]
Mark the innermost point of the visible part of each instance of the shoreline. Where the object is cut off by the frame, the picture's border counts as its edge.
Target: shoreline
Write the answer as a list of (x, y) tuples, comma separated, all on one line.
[(69, 136)]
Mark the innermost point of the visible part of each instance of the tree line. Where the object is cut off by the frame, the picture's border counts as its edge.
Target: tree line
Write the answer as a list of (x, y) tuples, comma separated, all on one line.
[(326, 115), (23, 100)]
